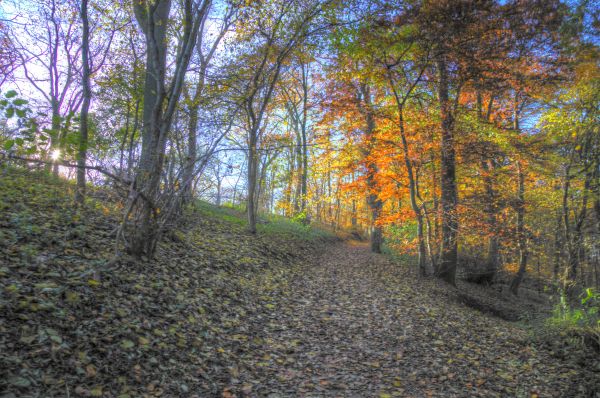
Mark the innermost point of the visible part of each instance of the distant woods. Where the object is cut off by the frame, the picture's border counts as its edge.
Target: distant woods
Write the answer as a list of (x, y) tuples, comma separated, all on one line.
[(460, 132)]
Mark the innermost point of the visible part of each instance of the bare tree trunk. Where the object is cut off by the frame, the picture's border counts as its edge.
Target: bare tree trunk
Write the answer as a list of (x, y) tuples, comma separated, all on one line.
[(87, 95), (153, 21), (218, 201), (449, 197), (487, 167), (300, 172), (235, 188), (436, 215), (329, 201), (493, 251), (56, 133), (289, 184), (130, 153), (125, 137), (304, 177), (252, 176), (521, 234), (160, 105), (575, 246), (375, 205), (353, 219), (192, 155), (557, 247), (423, 266), (373, 200)]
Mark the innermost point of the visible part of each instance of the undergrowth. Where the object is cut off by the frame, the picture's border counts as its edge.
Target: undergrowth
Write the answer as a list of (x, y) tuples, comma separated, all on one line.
[(580, 321)]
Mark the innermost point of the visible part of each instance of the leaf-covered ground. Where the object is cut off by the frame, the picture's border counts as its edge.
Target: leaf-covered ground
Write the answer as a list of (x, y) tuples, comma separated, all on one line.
[(220, 313)]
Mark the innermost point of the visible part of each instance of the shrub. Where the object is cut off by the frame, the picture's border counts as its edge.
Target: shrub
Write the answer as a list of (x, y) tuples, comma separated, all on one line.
[(582, 319)]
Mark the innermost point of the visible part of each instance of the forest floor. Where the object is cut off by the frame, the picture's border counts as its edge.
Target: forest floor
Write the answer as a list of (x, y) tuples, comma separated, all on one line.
[(290, 312)]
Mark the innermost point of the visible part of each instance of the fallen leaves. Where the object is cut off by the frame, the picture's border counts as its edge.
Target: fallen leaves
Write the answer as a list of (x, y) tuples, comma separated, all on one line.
[(127, 344), (223, 313)]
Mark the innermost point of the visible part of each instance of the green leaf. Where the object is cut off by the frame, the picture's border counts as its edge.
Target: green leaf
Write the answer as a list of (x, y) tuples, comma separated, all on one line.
[(11, 94), (126, 344), (19, 102), (9, 144), (10, 112)]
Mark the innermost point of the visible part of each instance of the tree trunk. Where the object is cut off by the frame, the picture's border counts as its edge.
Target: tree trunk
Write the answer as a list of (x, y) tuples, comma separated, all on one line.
[(289, 183), (424, 267), (192, 155), (159, 108), (132, 140), (575, 246), (56, 133), (375, 204), (299, 164), (493, 251), (252, 176), (487, 167), (558, 245), (521, 234), (449, 197), (218, 201), (304, 177), (87, 95), (353, 219), (154, 26)]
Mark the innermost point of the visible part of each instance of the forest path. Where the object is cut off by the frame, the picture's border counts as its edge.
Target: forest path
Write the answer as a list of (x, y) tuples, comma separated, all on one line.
[(356, 325)]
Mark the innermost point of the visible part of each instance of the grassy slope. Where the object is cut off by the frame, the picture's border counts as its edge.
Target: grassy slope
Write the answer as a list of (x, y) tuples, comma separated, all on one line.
[(170, 326)]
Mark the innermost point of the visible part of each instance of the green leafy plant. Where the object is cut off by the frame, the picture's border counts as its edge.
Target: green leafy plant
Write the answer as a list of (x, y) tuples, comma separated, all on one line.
[(20, 129), (300, 217), (582, 319)]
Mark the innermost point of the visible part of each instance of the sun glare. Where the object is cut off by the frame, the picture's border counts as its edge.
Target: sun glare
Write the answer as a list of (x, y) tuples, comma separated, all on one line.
[(55, 155)]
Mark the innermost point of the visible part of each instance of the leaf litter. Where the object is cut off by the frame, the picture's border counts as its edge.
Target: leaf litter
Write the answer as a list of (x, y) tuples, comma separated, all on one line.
[(223, 313)]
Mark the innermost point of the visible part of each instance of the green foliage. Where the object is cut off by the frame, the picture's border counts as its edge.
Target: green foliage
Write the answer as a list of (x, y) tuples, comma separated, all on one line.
[(16, 114), (228, 214), (300, 217), (24, 135), (296, 229), (582, 319)]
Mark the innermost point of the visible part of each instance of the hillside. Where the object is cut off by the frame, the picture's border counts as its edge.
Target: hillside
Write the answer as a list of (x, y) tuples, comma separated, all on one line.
[(292, 311)]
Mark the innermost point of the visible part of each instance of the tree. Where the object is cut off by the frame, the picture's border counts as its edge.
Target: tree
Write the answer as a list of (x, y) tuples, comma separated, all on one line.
[(194, 91), (48, 46), (297, 97), (274, 31), (160, 103)]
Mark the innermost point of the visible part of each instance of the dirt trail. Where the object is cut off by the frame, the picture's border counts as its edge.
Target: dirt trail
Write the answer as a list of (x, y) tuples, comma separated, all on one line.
[(356, 325)]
